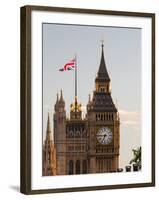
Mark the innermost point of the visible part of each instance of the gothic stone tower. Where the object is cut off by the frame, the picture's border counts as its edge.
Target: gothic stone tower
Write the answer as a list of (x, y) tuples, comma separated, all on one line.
[(77, 158), (70, 139), (49, 153), (60, 135), (103, 125)]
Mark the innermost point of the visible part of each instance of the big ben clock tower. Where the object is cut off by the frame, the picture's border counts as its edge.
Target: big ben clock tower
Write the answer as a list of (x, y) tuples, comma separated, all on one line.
[(103, 125)]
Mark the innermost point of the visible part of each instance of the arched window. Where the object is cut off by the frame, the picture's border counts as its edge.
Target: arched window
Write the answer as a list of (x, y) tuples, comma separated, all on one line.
[(101, 117), (71, 167), (78, 167), (102, 90), (84, 167), (98, 116)]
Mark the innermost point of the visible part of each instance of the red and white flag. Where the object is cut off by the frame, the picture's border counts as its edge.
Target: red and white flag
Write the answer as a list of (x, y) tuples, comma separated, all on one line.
[(69, 66)]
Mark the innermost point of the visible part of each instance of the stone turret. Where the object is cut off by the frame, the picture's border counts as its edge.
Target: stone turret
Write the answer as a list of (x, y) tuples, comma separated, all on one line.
[(49, 152), (60, 133)]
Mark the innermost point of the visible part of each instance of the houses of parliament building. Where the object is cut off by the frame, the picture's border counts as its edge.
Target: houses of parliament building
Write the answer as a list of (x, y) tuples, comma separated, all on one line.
[(78, 145)]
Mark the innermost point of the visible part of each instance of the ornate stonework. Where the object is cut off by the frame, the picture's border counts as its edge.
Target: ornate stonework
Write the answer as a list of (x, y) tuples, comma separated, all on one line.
[(90, 144)]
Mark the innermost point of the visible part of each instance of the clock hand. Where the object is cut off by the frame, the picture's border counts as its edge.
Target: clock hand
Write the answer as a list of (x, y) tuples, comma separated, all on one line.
[(104, 137)]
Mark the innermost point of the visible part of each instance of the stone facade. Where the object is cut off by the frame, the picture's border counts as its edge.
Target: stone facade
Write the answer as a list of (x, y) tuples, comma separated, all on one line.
[(90, 144)]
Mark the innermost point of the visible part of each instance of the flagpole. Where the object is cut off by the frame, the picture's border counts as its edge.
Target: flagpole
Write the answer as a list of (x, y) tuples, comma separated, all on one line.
[(75, 86), (75, 105)]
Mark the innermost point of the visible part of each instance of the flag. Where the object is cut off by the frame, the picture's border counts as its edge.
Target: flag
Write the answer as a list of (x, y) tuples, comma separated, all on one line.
[(68, 66)]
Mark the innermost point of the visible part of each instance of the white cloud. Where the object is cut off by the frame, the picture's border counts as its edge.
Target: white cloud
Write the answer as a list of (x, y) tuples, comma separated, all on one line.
[(131, 118)]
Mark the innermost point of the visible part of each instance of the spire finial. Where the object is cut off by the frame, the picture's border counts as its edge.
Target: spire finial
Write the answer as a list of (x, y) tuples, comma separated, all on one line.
[(48, 122), (61, 96), (48, 131), (102, 41)]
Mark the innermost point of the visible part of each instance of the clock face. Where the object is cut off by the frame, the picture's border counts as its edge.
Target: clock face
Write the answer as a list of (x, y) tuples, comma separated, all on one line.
[(104, 135)]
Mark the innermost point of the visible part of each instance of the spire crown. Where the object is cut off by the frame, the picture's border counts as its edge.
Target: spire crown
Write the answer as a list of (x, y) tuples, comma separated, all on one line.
[(102, 72)]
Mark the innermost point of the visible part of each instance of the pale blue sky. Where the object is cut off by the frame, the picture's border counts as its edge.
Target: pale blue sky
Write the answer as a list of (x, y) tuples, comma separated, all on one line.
[(122, 49)]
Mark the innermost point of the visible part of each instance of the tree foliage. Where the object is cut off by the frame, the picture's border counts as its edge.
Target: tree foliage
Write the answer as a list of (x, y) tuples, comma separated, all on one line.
[(136, 156)]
